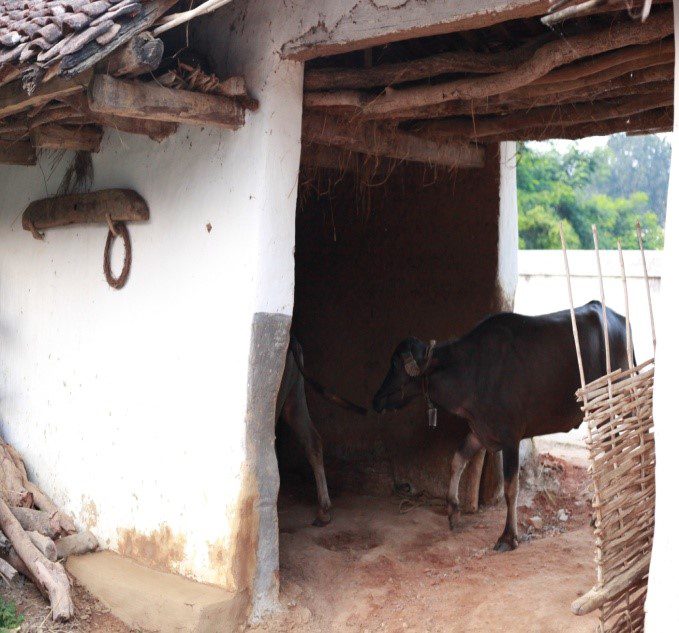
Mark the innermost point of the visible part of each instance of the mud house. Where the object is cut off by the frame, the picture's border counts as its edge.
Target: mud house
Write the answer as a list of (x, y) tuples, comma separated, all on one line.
[(148, 412)]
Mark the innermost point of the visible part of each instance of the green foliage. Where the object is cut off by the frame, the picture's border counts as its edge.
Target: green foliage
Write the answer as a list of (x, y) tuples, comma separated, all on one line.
[(10, 620), (578, 189)]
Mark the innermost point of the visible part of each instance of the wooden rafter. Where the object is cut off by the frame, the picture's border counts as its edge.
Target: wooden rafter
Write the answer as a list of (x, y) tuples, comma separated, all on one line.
[(659, 120), (388, 74), (86, 138), (116, 97), (17, 153), (547, 58), (552, 116), (375, 140)]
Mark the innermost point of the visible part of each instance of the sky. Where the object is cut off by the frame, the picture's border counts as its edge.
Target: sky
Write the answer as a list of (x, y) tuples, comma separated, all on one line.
[(587, 144)]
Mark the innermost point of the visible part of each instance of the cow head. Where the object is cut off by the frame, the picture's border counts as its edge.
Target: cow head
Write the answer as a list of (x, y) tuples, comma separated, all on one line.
[(409, 362)]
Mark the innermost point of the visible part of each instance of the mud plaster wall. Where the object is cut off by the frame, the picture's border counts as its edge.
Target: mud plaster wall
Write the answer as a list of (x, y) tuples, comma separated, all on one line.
[(422, 260)]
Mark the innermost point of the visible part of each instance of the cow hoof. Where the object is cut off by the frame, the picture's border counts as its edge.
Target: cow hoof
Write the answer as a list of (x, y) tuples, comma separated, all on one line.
[(322, 519), (454, 520), (506, 544)]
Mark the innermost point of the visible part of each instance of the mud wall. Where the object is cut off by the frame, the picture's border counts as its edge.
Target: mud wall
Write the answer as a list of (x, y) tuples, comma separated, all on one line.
[(417, 255)]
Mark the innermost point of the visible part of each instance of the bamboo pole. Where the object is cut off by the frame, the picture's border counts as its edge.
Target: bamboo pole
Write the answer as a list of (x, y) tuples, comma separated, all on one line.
[(595, 235), (648, 285), (628, 329)]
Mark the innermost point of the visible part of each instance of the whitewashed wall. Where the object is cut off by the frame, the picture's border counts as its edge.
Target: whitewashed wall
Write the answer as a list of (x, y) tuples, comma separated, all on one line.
[(129, 405)]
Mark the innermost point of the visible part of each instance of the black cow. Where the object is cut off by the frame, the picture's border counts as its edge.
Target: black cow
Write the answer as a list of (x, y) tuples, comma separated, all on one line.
[(511, 377)]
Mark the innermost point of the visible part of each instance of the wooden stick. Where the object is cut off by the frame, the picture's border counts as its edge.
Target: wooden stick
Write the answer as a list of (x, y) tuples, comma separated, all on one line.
[(597, 597), (648, 284), (50, 577), (628, 328), (574, 323), (595, 235), (177, 19)]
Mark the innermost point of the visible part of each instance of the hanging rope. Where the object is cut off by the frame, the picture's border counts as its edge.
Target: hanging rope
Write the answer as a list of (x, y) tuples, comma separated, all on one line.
[(117, 229)]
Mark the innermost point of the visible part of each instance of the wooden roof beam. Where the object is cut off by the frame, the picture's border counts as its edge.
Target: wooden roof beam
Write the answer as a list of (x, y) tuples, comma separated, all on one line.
[(115, 97), (86, 138), (364, 23), (374, 140), (17, 153)]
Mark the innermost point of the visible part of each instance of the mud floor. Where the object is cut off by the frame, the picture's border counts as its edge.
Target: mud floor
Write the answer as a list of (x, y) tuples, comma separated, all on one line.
[(384, 565)]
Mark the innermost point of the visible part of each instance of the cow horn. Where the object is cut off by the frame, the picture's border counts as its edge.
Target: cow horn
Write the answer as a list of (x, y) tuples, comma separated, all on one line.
[(410, 364)]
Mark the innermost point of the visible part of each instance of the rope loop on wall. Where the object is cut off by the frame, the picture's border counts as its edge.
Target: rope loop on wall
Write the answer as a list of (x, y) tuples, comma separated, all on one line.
[(117, 229)]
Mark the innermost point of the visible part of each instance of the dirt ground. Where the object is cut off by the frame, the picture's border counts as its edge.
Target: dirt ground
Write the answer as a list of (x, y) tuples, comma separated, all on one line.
[(91, 615), (386, 565), (376, 568)]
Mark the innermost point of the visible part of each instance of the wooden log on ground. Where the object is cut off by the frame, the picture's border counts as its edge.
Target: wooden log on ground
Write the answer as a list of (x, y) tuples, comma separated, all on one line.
[(76, 544), (597, 597), (118, 205), (14, 99), (142, 54), (44, 544), (564, 116), (86, 138), (39, 521), (548, 57), (7, 572), (40, 499), (111, 96), (441, 64), (155, 130), (50, 577), (393, 143)]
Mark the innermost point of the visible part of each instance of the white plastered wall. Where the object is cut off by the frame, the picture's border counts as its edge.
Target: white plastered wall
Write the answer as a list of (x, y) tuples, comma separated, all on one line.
[(663, 590), (129, 405)]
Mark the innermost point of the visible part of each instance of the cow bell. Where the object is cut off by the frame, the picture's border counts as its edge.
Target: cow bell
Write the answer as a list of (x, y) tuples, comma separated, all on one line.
[(432, 416)]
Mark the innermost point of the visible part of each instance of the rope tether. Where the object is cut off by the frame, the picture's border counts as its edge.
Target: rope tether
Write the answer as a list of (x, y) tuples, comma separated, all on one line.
[(117, 229)]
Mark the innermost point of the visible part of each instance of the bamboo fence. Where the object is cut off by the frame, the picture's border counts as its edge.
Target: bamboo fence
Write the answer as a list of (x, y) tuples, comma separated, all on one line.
[(618, 412)]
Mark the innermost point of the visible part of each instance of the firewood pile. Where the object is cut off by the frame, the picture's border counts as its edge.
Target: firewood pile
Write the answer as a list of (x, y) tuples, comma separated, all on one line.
[(35, 535), (70, 69)]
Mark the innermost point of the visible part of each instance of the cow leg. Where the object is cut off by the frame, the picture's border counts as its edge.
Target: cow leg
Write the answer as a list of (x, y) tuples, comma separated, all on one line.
[(510, 466), (469, 448), (296, 414)]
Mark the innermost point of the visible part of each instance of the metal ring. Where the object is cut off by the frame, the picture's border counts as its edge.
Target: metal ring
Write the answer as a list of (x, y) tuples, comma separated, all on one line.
[(117, 230)]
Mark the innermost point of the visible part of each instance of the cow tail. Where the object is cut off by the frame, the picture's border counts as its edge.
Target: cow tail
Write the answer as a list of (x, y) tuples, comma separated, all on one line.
[(296, 350)]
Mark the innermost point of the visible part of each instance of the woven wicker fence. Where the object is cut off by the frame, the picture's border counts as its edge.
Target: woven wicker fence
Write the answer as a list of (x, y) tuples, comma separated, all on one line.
[(618, 412)]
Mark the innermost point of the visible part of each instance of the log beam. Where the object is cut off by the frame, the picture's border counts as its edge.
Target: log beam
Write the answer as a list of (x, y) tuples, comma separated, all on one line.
[(357, 24), (155, 130), (553, 116), (388, 74), (86, 138), (111, 96), (547, 58), (392, 143), (653, 121), (14, 99), (142, 54), (17, 153)]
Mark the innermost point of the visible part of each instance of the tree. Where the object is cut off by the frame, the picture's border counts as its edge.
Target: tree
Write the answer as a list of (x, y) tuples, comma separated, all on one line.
[(555, 188)]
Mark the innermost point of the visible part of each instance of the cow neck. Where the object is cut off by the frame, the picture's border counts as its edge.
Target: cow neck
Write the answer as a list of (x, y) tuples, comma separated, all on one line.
[(445, 386)]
